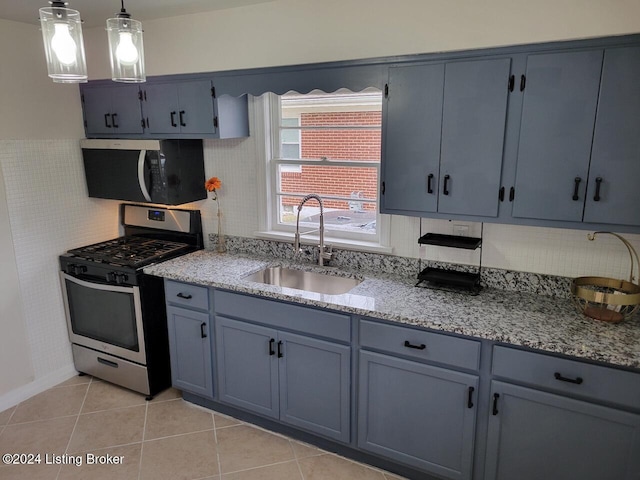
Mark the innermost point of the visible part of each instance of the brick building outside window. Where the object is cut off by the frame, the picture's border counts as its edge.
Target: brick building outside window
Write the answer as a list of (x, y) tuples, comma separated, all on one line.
[(328, 144)]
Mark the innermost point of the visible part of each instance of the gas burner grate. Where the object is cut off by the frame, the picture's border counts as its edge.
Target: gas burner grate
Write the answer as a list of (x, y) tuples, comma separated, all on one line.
[(129, 251)]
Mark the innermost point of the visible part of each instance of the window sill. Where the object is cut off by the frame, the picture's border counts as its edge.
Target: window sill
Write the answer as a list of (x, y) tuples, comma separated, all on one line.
[(357, 245)]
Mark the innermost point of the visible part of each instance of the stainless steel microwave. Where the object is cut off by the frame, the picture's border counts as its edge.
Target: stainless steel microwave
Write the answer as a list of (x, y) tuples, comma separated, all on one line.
[(169, 172)]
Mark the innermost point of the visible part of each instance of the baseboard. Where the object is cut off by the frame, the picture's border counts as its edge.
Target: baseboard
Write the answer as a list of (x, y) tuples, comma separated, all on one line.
[(39, 385)]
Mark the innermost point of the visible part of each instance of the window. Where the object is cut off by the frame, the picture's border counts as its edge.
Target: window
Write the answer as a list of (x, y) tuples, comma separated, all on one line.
[(327, 144)]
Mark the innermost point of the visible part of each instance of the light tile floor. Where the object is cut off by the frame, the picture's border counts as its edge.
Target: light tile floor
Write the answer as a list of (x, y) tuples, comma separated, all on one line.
[(166, 438)]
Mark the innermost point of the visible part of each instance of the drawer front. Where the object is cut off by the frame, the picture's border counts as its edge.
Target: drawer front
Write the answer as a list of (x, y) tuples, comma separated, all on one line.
[(568, 376), (112, 369), (186, 295), (283, 315), (419, 344)]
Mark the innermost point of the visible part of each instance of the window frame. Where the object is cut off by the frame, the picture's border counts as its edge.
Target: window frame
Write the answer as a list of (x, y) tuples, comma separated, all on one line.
[(269, 106)]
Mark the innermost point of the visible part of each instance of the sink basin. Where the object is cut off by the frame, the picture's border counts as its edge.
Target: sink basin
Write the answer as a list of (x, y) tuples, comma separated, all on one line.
[(301, 280)]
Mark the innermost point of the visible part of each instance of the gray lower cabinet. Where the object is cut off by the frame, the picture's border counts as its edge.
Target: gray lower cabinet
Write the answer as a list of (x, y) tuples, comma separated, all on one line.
[(190, 350), (536, 435), (300, 380), (417, 414)]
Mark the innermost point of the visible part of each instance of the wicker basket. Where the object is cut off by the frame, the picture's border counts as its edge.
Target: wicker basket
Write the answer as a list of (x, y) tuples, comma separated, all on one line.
[(608, 299)]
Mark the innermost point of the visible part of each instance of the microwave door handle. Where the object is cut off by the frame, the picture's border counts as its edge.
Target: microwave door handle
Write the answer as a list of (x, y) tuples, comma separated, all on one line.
[(141, 181)]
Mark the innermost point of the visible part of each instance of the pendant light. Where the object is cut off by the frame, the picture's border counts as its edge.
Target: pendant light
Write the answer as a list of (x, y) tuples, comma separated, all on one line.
[(126, 50), (63, 44)]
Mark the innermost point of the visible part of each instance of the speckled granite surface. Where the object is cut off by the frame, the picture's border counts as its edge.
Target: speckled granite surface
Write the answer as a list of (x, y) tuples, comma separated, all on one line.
[(546, 323), (409, 267)]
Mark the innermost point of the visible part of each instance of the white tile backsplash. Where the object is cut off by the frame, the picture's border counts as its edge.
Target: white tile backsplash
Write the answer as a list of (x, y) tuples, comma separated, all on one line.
[(49, 213)]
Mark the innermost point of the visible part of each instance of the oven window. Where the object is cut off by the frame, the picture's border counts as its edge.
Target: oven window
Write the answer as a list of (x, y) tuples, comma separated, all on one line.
[(102, 315)]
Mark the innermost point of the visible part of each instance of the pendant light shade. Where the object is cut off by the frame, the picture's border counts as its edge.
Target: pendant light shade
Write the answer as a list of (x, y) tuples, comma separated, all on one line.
[(126, 50), (63, 43)]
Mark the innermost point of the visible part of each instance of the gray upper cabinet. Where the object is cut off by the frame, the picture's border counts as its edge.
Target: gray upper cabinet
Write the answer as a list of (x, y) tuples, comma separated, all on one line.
[(443, 137), (411, 139), (613, 195), (556, 131), (473, 127), (179, 107), (534, 435), (163, 108), (111, 110)]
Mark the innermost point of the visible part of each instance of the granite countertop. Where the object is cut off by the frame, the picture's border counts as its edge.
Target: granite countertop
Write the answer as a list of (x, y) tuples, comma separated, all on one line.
[(541, 322)]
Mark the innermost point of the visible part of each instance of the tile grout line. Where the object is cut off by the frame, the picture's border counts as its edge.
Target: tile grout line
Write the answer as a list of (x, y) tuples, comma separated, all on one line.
[(296, 457), (215, 438), (12, 414), (86, 393), (44, 419), (178, 435), (144, 432), (233, 472)]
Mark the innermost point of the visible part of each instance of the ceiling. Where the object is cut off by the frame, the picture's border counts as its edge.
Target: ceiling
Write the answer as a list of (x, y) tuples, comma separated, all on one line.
[(95, 12)]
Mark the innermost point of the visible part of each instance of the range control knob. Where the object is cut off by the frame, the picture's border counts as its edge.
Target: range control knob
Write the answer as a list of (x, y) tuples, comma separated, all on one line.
[(74, 269)]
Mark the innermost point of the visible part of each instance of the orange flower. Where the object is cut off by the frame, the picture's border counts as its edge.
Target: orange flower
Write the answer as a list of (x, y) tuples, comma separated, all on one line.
[(213, 184)]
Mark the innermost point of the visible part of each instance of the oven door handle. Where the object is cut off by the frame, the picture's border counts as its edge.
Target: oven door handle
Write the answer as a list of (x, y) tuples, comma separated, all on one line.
[(98, 286), (143, 185)]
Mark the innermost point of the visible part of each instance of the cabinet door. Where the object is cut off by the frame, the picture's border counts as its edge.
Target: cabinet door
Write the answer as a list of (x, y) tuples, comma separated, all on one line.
[(314, 385), (97, 111), (473, 126), (417, 414), (161, 108), (615, 159), (190, 350), (535, 435), (411, 150), (247, 366), (556, 131), (126, 114), (195, 114)]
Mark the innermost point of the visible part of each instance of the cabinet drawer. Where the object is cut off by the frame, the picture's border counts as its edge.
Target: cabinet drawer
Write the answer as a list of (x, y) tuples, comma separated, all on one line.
[(283, 315), (186, 295), (434, 347), (568, 376)]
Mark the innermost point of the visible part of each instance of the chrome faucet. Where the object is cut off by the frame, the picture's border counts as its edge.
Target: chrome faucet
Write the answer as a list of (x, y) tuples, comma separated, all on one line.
[(325, 251)]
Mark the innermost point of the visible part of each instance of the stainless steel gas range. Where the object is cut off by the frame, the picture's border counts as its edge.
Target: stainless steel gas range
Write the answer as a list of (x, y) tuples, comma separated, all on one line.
[(115, 313)]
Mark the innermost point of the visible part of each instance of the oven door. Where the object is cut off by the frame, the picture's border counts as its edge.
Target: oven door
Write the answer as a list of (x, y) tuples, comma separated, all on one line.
[(107, 318)]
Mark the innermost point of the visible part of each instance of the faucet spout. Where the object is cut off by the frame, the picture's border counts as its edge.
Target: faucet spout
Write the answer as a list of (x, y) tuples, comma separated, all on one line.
[(325, 250)]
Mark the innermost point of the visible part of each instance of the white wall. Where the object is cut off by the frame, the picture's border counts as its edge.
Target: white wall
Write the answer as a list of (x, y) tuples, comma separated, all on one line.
[(15, 354), (32, 106), (286, 32), (44, 210)]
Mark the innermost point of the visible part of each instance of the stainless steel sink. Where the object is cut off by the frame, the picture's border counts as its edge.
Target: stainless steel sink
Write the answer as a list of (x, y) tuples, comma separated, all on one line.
[(301, 280)]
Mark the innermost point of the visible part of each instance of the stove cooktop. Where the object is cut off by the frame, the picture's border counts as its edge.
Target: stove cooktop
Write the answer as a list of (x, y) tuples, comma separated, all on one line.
[(132, 251)]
